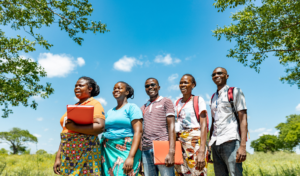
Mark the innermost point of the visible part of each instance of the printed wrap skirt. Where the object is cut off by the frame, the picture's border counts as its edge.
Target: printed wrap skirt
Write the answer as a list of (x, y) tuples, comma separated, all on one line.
[(114, 154), (190, 143), (80, 155)]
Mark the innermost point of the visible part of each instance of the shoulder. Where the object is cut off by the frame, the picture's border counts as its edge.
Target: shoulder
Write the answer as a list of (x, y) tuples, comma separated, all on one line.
[(237, 91), (175, 102), (133, 106), (167, 100)]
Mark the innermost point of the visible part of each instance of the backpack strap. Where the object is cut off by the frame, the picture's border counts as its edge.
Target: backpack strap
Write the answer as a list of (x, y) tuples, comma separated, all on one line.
[(196, 110)]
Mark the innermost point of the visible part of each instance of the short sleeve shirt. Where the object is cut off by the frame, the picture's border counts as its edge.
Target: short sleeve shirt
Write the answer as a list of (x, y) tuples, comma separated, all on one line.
[(225, 123), (98, 113), (155, 121), (186, 119), (118, 122)]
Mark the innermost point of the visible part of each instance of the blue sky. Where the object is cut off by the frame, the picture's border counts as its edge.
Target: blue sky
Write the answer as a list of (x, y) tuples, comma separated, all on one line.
[(150, 39)]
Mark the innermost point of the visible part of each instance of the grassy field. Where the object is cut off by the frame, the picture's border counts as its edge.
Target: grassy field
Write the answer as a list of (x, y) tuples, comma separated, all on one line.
[(258, 164)]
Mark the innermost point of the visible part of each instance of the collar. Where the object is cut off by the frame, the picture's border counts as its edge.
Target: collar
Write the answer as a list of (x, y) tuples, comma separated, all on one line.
[(224, 89), (157, 100)]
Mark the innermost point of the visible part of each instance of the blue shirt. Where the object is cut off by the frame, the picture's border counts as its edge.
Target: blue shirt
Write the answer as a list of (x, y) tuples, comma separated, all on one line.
[(118, 122)]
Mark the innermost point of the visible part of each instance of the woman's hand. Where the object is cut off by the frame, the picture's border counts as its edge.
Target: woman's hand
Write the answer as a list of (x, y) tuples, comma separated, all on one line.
[(200, 161), (128, 165), (70, 124), (56, 166)]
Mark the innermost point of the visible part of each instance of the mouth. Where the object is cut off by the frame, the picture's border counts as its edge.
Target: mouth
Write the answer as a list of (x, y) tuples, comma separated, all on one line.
[(183, 89), (151, 92)]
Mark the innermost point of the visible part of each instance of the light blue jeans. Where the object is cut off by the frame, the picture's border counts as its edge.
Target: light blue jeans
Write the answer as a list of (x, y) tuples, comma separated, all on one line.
[(152, 170), (224, 159)]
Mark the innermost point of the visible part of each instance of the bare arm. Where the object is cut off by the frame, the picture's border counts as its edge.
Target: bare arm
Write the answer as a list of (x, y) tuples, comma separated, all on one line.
[(93, 129), (241, 153), (169, 161), (137, 136), (200, 162)]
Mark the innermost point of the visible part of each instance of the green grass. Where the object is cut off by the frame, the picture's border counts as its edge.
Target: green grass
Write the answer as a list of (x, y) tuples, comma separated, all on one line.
[(258, 164)]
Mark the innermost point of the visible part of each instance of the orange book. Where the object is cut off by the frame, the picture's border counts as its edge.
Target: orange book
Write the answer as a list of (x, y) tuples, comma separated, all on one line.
[(161, 149), (81, 114)]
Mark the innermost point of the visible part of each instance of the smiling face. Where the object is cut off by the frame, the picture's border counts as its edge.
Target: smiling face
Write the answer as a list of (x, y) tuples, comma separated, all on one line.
[(186, 85), (153, 88), (220, 77), (119, 91), (82, 89)]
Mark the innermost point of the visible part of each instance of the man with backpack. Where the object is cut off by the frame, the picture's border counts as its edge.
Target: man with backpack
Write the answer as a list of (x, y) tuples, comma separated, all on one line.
[(228, 132)]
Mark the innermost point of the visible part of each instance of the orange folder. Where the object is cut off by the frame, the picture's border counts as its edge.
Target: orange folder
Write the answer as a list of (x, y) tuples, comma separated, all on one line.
[(81, 114), (161, 149)]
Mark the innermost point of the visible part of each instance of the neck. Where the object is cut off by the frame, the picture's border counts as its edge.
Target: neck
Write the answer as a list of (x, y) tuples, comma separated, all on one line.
[(83, 100), (186, 97), (154, 98), (221, 86), (121, 103)]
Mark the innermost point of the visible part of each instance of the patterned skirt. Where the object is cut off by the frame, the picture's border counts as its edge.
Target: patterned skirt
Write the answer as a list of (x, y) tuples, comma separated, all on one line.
[(190, 142), (80, 155), (114, 154)]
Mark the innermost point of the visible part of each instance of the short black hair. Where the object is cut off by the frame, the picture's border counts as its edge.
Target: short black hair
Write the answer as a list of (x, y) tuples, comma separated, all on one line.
[(129, 89), (93, 84), (154, 79), (193, 79)]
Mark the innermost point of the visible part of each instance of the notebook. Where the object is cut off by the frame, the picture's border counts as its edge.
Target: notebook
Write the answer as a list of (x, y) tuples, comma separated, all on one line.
[(161, 149), (83, 114)]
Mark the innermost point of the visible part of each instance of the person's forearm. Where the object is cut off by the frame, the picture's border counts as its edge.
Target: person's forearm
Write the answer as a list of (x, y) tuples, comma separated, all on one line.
[(135, 143), (203, 128), (243, 127), (58, 152), (172, 138)]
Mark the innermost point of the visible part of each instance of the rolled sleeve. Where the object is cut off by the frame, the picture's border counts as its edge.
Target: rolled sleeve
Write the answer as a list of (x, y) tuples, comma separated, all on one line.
[(169, 107), (99, 111), (239, 100)]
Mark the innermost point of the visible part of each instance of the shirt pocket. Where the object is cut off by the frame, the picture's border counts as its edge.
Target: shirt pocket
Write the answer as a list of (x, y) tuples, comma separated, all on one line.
[(225, 107)]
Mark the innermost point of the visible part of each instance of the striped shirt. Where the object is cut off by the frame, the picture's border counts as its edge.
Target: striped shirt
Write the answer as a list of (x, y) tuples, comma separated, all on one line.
[(155, 121)]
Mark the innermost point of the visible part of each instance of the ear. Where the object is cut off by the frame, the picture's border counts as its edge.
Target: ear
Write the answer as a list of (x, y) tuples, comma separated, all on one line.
[(193, 86), (127, 93), (158, 88), (90, 89), (227, 76)]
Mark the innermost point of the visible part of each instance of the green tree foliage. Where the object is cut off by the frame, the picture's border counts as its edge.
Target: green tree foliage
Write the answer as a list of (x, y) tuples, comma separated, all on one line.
[(3, 151), (41, 152), (272, 27), (17, 138), (19, 76), (290, 132), (266, 143)]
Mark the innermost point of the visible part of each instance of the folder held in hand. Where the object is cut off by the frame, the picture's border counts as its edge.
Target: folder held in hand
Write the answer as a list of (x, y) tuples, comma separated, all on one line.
[(83, 114), (161, 150)]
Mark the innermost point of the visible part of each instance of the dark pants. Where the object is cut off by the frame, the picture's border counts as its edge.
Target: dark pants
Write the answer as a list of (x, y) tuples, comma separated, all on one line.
[(224, 159)]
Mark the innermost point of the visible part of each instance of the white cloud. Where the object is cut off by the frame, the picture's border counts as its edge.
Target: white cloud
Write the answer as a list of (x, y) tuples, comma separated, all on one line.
[(173, 77), (167, 60), (59, 65), (173, 87), (102, 101), (51, 139), (37, 135), (40, 119), (46, 129), (80, 61), (126, 63), (260, 130), (298, 107)]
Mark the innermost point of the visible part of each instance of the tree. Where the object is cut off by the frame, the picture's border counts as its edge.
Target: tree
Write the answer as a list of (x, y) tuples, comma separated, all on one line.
[(290, 132), (266, 143), (19, 76), (272, 27), (41, 152), (3, 151), (17, 138)]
